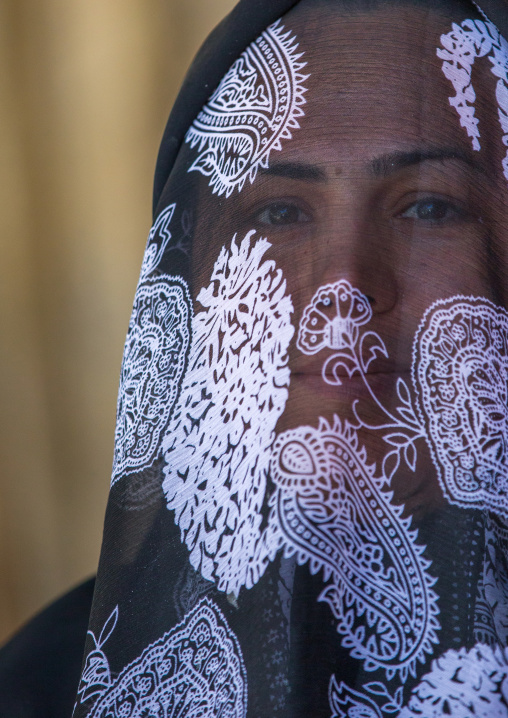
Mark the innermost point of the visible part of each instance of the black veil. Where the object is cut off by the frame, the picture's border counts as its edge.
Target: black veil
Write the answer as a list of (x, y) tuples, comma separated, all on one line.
[(309, 499)]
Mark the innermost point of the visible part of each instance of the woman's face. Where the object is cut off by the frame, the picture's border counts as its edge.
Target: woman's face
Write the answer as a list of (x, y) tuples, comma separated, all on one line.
[(380, 186)]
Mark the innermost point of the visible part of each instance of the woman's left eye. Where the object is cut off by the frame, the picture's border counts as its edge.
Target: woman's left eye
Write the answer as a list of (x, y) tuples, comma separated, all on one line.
[(281, 214), (433, 211)]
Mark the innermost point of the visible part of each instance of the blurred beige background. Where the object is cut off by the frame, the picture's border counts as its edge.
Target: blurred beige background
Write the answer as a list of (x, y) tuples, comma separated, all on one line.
[(85, 88)]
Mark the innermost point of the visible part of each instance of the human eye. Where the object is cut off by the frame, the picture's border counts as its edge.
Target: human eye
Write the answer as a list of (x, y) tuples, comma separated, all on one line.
[(281, 214), (434, 210)]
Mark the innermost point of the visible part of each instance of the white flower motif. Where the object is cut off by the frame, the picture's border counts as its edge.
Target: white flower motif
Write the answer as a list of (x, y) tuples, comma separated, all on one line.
[(217, 447), (333, 317), (463, 683)]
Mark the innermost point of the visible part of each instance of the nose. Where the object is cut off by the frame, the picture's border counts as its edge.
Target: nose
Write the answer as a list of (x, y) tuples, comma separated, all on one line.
[(361, 253)]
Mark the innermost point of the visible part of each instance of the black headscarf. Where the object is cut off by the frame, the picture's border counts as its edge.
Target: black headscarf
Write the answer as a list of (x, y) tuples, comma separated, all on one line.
[(309, 500)]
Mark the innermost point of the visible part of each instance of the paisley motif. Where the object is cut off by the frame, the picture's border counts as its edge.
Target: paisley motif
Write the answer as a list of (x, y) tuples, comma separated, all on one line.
[(196, 669), (460, 375), (339, 519), (154, 360), (345, 702), (253, 109)]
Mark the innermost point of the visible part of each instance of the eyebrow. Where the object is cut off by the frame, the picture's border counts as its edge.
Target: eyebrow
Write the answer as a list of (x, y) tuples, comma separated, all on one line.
[(382, 166), (388, 164), (296, 171)]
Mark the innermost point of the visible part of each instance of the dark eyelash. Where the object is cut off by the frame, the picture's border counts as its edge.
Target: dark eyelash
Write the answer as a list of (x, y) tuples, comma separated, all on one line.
[(452, 209)]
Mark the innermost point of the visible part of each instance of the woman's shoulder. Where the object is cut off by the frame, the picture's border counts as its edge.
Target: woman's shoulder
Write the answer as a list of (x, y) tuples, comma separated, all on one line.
[(41, 664)]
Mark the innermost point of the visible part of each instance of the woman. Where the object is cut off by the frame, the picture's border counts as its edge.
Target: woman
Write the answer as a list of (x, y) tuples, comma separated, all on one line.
[(308, 488), (308, 507)]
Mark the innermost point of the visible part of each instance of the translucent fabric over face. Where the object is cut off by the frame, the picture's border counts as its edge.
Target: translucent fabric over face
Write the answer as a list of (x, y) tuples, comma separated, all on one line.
[(309, 502)]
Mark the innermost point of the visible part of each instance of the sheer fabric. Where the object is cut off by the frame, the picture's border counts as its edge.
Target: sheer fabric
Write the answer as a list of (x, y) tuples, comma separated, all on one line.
[(309, 500)]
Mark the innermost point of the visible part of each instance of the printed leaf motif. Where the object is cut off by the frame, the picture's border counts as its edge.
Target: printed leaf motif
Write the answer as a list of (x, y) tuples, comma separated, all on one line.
[(371, 347), (108, 627), (460, 49), (345, 702), (337, 366), (403, 392), (396, 439), (391, 463), (410, 456), (376, 688), (96, 674)]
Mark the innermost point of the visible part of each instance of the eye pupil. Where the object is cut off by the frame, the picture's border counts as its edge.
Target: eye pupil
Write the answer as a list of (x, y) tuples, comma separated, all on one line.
[(432, 210), (283, 214)]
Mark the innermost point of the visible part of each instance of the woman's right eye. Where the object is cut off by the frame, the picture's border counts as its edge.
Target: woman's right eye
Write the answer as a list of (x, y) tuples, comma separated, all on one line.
[(281, 214)]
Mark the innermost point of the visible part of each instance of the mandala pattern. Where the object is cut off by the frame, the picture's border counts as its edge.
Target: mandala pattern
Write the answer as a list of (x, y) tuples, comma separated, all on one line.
[(217, 446), (154, 360), (253, 109), (460, 375), (460, 48), (463, 683), (194, 670), (334, 514)]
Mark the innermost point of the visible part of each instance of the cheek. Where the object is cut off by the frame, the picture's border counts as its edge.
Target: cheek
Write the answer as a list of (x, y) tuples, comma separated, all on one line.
[(298, 265), (457, 264), (201, 272), (499, 258), (206, 249)]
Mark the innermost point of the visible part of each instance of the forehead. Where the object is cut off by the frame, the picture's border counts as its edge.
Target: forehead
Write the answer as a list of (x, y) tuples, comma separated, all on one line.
[(376, 75)]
